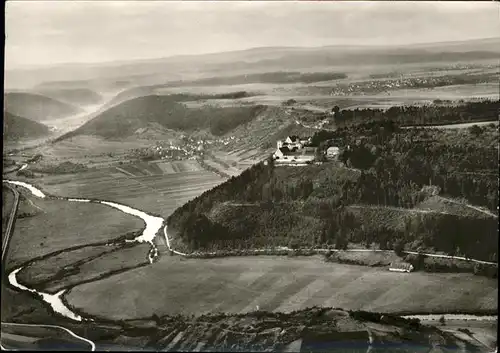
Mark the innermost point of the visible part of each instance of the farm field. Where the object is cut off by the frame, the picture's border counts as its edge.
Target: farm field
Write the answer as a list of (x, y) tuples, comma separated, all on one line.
[(84, 146), (317, 94), (241, 284), (136, 185), (239, 162), (61, 225), (46, 274)]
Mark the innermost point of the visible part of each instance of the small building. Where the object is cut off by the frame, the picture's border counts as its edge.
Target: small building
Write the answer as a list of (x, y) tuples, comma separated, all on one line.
[(401, 267), (293, 142), (294, 155), (281, 152), (292, 139), (333, 153)]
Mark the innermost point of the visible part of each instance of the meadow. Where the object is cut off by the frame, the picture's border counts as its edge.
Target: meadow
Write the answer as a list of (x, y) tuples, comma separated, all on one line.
[(90, 267), (175, 285), (60, 225), (156, 187)]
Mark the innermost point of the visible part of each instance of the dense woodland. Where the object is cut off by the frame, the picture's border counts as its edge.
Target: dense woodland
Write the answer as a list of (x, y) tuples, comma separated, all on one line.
[(381, 165), (485, 110)]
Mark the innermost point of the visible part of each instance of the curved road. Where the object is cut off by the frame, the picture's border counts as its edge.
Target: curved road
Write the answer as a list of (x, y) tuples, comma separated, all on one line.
[(5, 242)]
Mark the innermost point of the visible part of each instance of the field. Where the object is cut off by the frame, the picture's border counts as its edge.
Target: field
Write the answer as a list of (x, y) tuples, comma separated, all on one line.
[(319, 96), (61, 225), (174, 285), (72, 267), (83, 147), (158, 188)]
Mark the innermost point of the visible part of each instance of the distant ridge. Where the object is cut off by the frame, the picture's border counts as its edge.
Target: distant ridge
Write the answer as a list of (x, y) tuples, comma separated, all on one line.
[(78, 96), (268, 49), (119, 75), (37, 107)]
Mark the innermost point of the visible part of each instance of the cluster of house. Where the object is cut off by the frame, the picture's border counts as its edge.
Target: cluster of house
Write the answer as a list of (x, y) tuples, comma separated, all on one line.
[(294, 150)]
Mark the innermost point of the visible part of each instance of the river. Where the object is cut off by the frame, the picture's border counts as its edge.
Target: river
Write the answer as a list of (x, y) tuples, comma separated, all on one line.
[(153, 225)]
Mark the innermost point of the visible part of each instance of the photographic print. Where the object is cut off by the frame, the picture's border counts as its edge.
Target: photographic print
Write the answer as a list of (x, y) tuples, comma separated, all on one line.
[(233, 176)]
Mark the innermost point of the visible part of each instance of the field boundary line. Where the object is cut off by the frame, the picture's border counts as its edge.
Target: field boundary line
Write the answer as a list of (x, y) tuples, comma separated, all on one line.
[(124, 171)]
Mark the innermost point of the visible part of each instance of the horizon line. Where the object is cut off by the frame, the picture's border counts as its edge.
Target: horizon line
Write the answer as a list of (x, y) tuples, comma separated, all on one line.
[(138, 60)]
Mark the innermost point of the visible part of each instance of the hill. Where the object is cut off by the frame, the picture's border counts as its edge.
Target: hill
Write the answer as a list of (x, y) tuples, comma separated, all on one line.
[(124, 119), (37, 107), (383, 197), (76, 96), (16, 127)]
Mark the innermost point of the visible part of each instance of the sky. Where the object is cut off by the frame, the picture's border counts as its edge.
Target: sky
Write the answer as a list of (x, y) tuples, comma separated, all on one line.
[(52, 32)]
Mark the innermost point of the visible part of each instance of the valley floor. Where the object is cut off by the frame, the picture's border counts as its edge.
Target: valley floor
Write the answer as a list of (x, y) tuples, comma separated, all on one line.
[(241, 284)]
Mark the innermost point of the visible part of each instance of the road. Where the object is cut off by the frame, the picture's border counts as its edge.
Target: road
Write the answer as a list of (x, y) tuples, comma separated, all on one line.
[(334, 250), (452, 257), (10, 222), (5, 242), (479, 209), (452, 126)]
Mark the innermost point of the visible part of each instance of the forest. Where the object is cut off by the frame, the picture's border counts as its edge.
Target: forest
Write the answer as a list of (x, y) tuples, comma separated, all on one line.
[(382, 165), (433, 114)]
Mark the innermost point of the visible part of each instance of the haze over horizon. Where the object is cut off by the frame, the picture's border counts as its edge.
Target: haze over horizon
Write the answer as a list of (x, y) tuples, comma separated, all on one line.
[(46, 33)]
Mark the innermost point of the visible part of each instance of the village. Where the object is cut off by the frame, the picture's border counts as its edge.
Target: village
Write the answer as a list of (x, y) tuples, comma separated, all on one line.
[(186, 148)]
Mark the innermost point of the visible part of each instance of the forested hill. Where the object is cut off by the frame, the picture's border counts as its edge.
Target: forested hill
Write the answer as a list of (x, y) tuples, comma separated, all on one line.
[(422, 188), (168, 111), (16, 127)]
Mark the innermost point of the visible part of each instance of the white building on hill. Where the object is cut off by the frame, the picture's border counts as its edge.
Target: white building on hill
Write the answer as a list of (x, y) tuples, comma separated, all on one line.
[(333, 153), (293, 142), (295, 156)]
